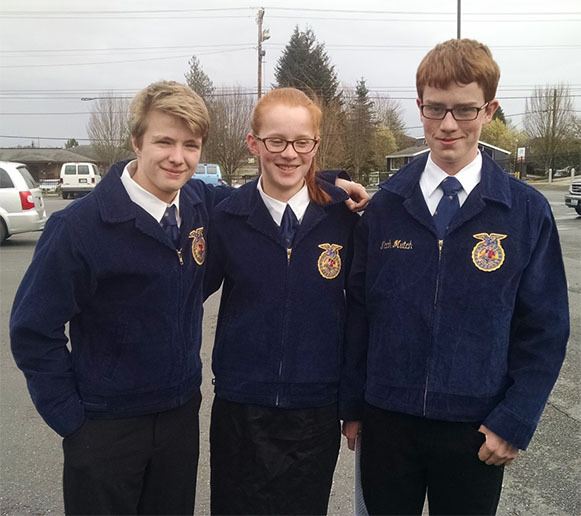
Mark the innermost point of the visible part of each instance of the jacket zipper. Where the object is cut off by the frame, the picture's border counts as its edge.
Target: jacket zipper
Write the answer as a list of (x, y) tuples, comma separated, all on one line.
[(440, 246), (288, 258), (180, 325)]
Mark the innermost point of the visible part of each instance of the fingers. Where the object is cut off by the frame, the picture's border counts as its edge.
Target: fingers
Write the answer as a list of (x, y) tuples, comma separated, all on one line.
[(502, 455), (351, 429)]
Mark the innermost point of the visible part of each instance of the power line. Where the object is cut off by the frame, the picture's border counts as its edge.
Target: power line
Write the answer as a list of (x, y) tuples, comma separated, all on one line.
[(158, 58)]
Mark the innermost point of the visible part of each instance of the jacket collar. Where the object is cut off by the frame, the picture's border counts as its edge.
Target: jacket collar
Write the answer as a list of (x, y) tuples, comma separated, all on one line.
[(116, 207), (494, 186), (246, 202)]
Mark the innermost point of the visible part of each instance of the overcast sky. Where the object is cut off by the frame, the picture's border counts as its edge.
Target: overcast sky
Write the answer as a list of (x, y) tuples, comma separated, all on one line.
[(54, 53)]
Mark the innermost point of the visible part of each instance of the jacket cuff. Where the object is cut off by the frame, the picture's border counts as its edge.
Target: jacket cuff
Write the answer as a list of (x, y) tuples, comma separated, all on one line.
[(504, 423), (351, 410), (70, 417), (329, 176)]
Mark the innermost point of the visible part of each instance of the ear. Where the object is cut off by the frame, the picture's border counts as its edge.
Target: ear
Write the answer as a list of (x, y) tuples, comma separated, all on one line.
[(252, 144), (135, 146), (491, 109)]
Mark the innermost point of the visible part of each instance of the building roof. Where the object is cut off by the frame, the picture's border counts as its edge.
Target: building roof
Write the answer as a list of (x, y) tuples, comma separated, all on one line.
[(416, 150), (409, 152), (40, 155)]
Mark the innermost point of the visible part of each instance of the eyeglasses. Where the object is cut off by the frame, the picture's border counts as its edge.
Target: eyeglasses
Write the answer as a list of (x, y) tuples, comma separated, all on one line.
[(460, 114), (301, 146)]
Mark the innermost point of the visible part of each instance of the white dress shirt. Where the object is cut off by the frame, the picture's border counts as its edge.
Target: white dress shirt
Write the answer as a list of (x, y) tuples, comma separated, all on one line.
[(140, 196), (298, 203), (433, 175)]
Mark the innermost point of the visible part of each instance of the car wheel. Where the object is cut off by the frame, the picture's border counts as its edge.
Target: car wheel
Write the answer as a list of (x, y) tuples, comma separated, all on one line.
[(578, 209), (3, 232)]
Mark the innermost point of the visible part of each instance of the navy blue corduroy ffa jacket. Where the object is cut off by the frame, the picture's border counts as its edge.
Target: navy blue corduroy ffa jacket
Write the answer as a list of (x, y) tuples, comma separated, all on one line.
[(134, 306), (281, 322), (470, 328)]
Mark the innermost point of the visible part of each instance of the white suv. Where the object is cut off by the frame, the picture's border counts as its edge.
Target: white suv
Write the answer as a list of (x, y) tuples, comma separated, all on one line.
[(21, 203)]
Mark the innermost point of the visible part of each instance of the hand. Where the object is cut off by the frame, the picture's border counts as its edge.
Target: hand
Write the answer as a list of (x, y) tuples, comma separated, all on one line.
[(495, 450), (359, 198), (351, 429)]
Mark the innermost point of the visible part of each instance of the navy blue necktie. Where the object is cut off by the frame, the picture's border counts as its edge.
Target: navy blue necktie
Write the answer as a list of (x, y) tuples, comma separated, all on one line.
[(448, 205), (169, 224), (288, 227)]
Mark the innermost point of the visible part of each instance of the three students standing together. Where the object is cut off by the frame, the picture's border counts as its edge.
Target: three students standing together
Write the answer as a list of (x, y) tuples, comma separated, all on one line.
[(440, 354)]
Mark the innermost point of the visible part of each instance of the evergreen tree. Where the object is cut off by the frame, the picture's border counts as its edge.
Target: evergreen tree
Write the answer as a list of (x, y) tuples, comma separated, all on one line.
[(360, 133), (499, 115), (305, 65), (71, 143), (198, 80)]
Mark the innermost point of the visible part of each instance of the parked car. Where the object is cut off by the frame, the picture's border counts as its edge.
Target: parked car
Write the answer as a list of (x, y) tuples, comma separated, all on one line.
[(209, 173), (78, 178), (21, 202), (573, 196)]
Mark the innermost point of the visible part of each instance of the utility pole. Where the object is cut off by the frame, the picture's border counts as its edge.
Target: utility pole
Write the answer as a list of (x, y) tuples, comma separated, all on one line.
[(261, 38), (458, 18)]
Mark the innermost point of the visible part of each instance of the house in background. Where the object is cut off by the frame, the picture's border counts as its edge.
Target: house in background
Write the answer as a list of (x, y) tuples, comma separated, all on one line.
[(43, 163), (398, 159)]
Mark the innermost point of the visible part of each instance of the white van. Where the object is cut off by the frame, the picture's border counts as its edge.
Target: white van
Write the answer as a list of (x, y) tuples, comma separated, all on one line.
[(78, 178)]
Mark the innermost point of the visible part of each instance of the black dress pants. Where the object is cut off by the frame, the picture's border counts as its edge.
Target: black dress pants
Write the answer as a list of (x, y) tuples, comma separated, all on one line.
[(138, 465), (403, 457), (274, 461)]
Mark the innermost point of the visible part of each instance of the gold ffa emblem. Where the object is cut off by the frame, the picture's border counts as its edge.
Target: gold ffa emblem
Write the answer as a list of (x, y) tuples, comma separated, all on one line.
[(198, 245), (488, 254), (329, 263)]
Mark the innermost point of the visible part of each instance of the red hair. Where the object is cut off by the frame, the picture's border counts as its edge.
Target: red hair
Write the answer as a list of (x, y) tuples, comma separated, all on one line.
[(292, 97)]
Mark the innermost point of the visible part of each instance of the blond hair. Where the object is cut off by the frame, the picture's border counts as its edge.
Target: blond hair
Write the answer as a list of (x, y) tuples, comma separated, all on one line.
[(172, 98), (460, 61)]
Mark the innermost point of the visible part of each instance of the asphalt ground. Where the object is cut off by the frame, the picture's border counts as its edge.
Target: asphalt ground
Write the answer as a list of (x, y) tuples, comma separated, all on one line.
[(544, 480)]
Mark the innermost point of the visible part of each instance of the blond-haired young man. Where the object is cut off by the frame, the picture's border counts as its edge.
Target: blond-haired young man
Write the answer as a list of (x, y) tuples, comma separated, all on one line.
[(124, 267)]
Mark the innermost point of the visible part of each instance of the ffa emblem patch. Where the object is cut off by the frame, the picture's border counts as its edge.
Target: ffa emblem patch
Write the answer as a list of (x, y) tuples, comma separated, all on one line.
[(488, 254), (198, 245), (329, 263)]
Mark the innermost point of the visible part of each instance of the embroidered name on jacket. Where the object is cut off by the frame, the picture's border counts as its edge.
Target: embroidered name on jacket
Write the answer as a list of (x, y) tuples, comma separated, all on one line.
[(198, 245), (488, 254), (329, 263), (405, 245)]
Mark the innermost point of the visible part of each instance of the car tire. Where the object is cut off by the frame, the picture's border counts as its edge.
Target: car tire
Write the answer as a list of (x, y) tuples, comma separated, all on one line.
[(578, 209), (3, 232), (65, 195)]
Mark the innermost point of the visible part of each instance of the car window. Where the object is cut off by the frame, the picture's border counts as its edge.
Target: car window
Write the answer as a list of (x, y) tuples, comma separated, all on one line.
[(28, 179), (70, 170), (212, 169), (84, 169), (201, 169), (5, 181), (95, 170)]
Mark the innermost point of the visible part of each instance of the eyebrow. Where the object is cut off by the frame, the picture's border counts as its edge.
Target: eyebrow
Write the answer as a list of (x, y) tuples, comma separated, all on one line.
[(473, 103)]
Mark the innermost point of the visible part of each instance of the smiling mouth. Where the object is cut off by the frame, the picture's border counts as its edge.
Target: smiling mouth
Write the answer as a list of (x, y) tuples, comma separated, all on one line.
[(173, 172), (286, 167)]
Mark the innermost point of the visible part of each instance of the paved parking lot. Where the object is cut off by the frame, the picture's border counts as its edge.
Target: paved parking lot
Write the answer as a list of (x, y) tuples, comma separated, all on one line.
[(543, 481)]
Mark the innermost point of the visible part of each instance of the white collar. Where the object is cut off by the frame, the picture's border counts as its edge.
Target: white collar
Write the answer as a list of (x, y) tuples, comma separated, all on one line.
[(433, 175), (298, 203), (146, 200)]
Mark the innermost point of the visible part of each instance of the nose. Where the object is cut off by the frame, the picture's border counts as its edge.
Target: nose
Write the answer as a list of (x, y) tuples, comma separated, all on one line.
[(289, 152), (448, 123), (176, 154)]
